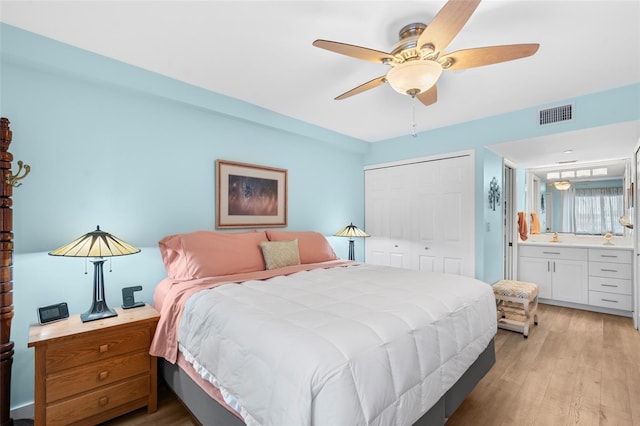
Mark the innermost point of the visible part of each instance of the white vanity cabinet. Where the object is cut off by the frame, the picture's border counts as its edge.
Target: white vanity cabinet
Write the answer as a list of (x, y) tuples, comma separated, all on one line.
[(610, 278), (560, 272), (593, 278)]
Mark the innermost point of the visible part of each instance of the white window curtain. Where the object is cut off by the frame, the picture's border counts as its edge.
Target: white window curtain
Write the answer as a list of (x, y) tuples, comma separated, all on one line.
[(568, 210), (594, 211)]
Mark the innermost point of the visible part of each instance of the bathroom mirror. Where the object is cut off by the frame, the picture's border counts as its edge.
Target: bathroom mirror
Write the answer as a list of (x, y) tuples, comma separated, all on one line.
[(586, 198)]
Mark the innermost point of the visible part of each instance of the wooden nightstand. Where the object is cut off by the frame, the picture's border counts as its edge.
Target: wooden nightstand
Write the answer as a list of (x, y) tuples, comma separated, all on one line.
[(87, 373)]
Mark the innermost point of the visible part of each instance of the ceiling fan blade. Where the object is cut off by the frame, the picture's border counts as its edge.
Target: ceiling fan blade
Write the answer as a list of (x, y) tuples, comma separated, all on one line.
[(429, 97), (470, 58), (363, 87), (447, 23), (354, 51)]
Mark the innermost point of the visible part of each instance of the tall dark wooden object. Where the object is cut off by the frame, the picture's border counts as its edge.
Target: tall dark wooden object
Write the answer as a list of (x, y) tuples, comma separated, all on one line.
[(6, 273)]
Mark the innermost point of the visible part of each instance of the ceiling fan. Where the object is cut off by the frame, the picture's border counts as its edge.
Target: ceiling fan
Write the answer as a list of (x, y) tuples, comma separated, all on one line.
[(418, 59)]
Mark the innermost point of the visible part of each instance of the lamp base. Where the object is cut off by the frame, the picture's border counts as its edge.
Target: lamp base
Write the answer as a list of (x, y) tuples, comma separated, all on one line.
[(99, 308), (98, 311), (351, 250)]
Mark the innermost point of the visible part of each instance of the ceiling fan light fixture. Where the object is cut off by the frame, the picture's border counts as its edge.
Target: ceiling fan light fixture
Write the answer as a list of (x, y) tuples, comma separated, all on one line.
[(562, 185), (414, 77)]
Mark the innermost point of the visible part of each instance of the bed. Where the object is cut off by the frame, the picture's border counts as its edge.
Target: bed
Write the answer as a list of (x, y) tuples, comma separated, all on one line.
[(272, 328)]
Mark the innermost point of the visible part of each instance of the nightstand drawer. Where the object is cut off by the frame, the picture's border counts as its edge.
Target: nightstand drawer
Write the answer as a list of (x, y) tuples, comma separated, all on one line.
[(82, 350), (78, 380), (90, 404)]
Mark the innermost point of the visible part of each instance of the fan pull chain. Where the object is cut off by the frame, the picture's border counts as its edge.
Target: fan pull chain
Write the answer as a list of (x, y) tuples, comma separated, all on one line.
[(413, 118)]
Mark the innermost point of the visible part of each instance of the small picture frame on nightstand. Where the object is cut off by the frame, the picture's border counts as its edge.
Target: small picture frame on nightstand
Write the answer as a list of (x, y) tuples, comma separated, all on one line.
[(128, 299)]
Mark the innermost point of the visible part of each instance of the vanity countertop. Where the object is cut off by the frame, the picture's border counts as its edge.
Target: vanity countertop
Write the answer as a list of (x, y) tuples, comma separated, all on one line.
[(619, 243)]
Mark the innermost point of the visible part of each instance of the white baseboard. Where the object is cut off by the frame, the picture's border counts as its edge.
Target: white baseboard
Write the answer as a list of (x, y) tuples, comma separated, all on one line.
[(24, 412), (593, 308)]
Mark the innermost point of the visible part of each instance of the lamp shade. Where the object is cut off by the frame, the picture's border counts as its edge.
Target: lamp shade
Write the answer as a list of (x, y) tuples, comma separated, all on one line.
[(351, 231), (97, 243), (414, 77)]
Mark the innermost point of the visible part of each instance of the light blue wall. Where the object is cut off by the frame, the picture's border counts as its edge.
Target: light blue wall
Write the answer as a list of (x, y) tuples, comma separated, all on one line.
[(493, 220), (133, 151)]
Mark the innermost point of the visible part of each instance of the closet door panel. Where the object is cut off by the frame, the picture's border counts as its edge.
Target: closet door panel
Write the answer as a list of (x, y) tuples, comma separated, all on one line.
[(453, 265), (427, 205)]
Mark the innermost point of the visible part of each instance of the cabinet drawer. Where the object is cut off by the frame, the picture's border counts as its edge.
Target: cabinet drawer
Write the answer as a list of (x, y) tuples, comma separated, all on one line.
[(553, 252), (81, 350), (610, 300), (82, 379), (610, 285), (610, 270), (610, 256), (90, 404)]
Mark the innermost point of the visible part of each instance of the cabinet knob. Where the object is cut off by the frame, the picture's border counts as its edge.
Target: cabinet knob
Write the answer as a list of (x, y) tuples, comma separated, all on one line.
[(395, 245), (426, 248), (104, 348), (103, 401), (103, 375)]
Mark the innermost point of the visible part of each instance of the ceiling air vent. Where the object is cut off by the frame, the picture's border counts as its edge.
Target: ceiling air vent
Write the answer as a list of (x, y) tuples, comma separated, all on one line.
[(556, 114)]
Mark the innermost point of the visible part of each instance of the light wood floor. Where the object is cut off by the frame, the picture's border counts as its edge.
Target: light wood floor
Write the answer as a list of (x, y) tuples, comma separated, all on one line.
[(576, 368)]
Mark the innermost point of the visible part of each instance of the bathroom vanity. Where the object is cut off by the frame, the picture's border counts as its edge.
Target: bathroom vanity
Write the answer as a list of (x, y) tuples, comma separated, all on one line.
[(580, 272)]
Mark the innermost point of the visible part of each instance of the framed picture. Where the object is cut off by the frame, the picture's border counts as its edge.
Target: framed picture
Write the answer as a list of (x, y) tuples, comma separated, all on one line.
[(250, 196)]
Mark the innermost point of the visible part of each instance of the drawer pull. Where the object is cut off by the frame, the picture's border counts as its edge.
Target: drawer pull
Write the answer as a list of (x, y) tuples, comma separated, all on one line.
[(609, 300), (103, 375), (608, 285), (608, 270), (551, 252), (608, 255), (104, 348), (103, 401)]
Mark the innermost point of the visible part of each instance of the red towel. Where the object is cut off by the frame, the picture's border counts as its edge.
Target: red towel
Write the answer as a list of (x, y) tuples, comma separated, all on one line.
[(522, 226)]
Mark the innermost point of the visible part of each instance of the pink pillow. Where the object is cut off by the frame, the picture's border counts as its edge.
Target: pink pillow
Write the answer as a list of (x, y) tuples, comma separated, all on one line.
[(313, 246), (203, 254)]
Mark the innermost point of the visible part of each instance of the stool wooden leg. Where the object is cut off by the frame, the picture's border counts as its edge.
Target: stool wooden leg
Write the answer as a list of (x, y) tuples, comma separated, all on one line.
[(527, 320)]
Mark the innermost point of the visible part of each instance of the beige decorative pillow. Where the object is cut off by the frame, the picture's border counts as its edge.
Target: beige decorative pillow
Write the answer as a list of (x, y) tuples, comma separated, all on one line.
[(278, 254)]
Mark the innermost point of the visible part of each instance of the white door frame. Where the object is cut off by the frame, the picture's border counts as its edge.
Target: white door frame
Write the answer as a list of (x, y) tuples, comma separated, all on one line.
[(509, 228), (635, 179)]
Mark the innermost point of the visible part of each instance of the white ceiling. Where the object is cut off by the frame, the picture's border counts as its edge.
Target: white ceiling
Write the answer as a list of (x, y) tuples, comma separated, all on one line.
[(261, 52)]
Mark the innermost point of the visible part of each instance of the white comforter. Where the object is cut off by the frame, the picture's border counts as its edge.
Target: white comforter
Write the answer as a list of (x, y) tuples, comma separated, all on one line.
[(342, 346)]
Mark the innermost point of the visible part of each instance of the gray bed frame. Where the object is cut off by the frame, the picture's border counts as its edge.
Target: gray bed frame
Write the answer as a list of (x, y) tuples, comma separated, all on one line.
[(209, 413)]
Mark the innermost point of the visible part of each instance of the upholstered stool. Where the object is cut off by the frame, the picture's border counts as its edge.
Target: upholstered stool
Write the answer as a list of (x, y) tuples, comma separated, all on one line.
[(517, 305)]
